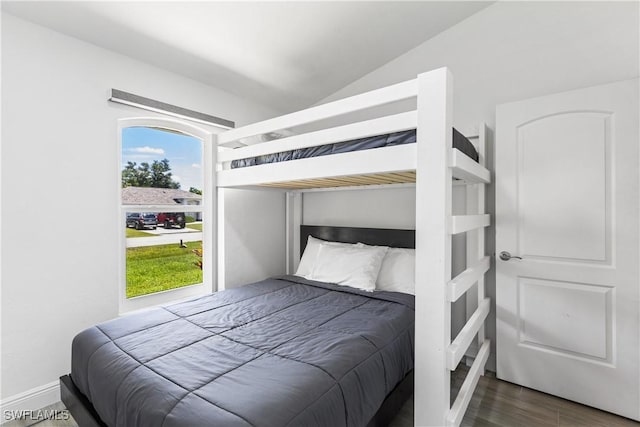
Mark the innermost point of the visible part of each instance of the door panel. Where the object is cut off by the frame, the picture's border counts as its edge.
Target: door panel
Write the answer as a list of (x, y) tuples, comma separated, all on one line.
[(568, 312), (566, 317), (567, 154)]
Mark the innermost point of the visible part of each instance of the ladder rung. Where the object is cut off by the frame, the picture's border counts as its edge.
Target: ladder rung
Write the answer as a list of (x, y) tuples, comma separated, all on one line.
[(457, 411), (459, 346), (464, 168), (463, 281), (462, 223)]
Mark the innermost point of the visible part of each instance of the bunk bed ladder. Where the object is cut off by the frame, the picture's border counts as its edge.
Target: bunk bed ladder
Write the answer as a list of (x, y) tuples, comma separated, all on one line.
[(476, 176)]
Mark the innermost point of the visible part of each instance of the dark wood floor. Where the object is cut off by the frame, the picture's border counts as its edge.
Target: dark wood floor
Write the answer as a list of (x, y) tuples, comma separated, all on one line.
[(499, 403), (494, 403)]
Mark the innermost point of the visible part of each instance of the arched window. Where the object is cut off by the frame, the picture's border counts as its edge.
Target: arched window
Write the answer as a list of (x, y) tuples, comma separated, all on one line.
[(164, 212)]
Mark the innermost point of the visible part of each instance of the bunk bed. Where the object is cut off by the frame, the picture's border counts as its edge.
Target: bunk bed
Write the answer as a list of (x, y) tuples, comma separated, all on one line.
[(433, 165)]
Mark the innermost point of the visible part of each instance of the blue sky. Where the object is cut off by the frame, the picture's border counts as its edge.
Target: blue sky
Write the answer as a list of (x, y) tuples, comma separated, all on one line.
[(140, 144)]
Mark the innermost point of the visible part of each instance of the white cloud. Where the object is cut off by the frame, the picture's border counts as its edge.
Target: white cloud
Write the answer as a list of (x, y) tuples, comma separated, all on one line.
[(176, 178), (137, 157), (187, 175), (147, 150), (195, 165)]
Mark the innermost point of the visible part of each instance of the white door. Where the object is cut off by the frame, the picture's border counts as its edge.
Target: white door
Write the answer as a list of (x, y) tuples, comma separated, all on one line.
[(568, 312)]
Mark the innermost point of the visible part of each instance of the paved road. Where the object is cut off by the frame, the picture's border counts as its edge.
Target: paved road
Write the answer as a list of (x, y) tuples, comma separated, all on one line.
[(165, 237)]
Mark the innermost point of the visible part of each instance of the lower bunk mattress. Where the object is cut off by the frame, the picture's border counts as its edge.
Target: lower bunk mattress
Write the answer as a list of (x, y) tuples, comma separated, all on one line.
[(460, 142), (281, 352)]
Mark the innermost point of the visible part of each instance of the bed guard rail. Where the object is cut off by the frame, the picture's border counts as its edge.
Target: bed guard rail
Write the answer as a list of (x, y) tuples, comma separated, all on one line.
[(374, 98)]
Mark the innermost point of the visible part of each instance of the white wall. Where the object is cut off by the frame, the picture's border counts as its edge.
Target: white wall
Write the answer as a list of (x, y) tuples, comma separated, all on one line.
[(506, 52), (517, 50), (254, 235), (361, 208), (59, 190)]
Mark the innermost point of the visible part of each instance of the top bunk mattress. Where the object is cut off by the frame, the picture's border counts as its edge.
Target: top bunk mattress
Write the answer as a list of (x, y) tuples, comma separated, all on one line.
[(460, 142)]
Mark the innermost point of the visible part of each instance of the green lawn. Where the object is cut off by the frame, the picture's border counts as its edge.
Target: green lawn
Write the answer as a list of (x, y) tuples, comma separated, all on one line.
[(197, 226), (132, 232), (162, 267)]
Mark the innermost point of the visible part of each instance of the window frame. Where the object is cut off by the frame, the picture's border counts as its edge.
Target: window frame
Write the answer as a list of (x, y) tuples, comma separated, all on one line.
[(207, 207)]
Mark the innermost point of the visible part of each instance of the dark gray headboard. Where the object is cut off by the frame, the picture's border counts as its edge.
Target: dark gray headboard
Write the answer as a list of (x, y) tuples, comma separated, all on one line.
[(369, 236)]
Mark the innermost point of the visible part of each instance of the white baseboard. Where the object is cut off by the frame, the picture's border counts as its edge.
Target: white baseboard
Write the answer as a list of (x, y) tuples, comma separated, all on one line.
[(32, 400)]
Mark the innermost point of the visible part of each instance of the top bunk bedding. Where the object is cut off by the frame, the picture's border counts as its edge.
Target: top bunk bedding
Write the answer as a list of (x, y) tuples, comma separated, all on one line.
[(460, 142), (281, 352)]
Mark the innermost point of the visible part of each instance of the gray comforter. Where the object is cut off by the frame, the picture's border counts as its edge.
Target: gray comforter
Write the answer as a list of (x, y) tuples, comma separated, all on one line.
[(281, 352)]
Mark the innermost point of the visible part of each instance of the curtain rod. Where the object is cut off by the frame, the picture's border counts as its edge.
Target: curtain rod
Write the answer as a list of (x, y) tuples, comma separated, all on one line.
[(121, 97)]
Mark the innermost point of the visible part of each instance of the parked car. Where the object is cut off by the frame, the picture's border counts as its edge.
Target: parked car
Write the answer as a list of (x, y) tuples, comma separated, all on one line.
[(140, 221), (172, 219)]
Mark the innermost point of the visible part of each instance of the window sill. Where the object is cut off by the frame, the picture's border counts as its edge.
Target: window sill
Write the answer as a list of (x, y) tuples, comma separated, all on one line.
[(143, 302)]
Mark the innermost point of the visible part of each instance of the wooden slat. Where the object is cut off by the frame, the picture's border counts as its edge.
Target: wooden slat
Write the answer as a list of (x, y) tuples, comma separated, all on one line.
[(374, 98), (355, 180), (346, 181), (463, 281), (368, 128), (459, 346), (456, 413), (356, 188), (408, 174), (464, 168), (463, 223)]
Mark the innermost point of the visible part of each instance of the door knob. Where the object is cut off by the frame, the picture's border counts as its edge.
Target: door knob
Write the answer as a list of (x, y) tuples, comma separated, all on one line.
[(506, 256)]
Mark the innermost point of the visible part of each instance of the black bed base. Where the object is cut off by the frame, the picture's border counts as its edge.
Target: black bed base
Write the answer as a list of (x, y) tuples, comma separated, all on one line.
[(86, 416), (82, 410), (393, 403)]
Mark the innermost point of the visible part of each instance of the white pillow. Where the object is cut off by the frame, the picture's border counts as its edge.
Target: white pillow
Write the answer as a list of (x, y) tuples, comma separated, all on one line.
[(397, 273), (311, 252), (356, 266)]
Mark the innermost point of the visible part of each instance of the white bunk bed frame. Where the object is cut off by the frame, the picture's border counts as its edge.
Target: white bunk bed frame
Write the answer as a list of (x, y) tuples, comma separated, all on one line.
[(432, 164)]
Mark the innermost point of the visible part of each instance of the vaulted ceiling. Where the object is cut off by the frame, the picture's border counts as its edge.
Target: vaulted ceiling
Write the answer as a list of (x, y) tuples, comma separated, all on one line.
[(285, 54)]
